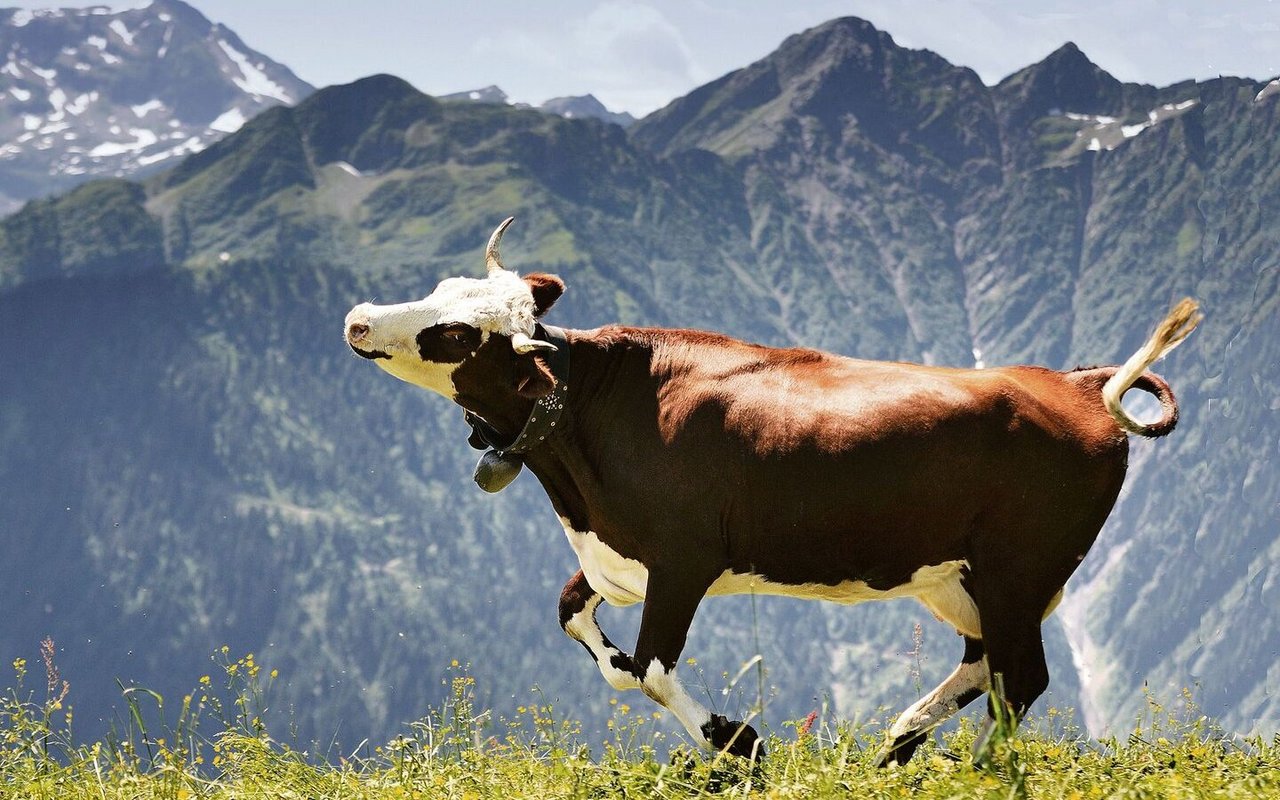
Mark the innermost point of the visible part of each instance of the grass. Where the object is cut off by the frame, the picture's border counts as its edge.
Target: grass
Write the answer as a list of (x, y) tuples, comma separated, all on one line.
[(220, 747)]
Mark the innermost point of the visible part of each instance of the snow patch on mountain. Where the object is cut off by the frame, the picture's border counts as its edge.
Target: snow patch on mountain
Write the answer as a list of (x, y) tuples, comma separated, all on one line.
[(252, 79), (229, 122), (142, 139), (191, 145), (58, 99), (168, 37), (122, 31), (1101, 132), (81, 103), (143, 109)]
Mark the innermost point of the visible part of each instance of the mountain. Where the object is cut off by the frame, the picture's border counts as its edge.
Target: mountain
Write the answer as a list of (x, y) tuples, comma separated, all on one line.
[(86, 92), (192, 459), (489, 94), (584, 106)]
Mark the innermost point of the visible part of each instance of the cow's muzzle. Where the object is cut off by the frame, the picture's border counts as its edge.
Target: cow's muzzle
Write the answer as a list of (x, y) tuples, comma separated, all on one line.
[(357, 335)]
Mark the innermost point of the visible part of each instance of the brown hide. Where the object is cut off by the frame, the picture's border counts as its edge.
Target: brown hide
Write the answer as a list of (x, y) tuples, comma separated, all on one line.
[(707, 454)]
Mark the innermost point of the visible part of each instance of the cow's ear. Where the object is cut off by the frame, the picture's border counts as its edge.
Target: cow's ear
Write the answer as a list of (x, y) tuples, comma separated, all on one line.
[(546, 291), (533, 378)]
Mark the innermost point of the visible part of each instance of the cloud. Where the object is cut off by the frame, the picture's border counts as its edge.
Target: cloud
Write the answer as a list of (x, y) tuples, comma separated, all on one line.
[(626, 53)]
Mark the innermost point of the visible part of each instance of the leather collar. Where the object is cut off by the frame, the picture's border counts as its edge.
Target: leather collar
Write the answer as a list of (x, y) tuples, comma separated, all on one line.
[(502, 462)]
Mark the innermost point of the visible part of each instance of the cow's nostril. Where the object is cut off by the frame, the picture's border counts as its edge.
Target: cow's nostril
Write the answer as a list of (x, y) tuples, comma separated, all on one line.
[(357, 331)]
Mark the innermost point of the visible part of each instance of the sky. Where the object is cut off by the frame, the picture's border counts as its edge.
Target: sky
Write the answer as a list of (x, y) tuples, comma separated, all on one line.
[(638, 55)]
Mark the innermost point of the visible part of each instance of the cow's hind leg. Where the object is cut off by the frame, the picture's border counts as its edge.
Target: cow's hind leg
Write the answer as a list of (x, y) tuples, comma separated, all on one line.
[(578, 604), (1015, 653), (969, 680)]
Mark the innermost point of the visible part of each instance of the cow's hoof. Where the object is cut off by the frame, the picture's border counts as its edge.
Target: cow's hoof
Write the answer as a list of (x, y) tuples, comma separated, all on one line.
[(899, 751), (733, 737)]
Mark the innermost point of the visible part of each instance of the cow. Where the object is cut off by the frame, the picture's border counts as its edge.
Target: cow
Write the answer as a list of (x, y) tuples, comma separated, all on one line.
[(684, 464)]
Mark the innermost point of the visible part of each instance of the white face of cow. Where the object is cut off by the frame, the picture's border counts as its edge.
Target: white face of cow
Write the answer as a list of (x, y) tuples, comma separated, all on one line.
[(425, 341)]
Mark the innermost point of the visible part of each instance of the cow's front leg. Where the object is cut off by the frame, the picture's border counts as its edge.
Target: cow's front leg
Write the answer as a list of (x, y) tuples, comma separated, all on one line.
[(578, 604), (671, 598)]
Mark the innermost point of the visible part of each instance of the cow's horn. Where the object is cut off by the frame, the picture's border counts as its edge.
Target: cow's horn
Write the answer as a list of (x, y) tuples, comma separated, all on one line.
[(522, 343), (492, 260)]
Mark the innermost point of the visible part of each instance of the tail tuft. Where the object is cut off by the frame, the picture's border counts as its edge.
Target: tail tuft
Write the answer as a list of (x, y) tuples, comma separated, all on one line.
[(1180, 322)]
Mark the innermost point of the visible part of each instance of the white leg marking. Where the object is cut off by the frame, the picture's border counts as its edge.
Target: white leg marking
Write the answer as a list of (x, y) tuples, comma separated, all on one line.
[(665, 689), (939, 705), (583, 627)]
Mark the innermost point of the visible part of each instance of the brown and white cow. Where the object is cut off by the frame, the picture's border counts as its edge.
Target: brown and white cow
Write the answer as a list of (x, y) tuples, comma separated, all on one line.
[(684, 464)]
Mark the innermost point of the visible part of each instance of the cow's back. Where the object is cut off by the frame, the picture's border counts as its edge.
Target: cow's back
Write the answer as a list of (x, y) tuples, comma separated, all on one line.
[(819, 465)]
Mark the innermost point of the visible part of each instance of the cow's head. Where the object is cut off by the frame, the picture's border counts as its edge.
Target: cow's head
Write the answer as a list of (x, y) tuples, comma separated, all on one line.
[(471, 340)]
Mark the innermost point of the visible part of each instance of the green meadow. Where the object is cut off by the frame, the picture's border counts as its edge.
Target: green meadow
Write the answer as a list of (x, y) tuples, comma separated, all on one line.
[(216, 742)]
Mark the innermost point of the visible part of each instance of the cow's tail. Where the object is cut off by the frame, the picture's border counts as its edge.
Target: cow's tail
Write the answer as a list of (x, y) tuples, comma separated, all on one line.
[(1180, 322)]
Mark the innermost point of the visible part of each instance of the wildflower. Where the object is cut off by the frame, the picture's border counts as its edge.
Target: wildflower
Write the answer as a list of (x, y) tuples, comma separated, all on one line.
[(807, 725)]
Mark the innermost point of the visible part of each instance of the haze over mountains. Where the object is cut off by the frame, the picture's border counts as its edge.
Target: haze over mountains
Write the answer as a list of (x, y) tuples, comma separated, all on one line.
[(191, 458)]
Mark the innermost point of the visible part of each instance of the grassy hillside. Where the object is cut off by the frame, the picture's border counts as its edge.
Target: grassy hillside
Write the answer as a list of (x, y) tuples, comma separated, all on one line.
[(220, 747)]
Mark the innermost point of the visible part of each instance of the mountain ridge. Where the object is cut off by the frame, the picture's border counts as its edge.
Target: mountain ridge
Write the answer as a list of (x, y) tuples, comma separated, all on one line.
[(571, 106)]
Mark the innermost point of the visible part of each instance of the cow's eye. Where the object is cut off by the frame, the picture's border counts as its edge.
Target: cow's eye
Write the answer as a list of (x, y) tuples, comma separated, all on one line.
[(447, 343), (457, 333)]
